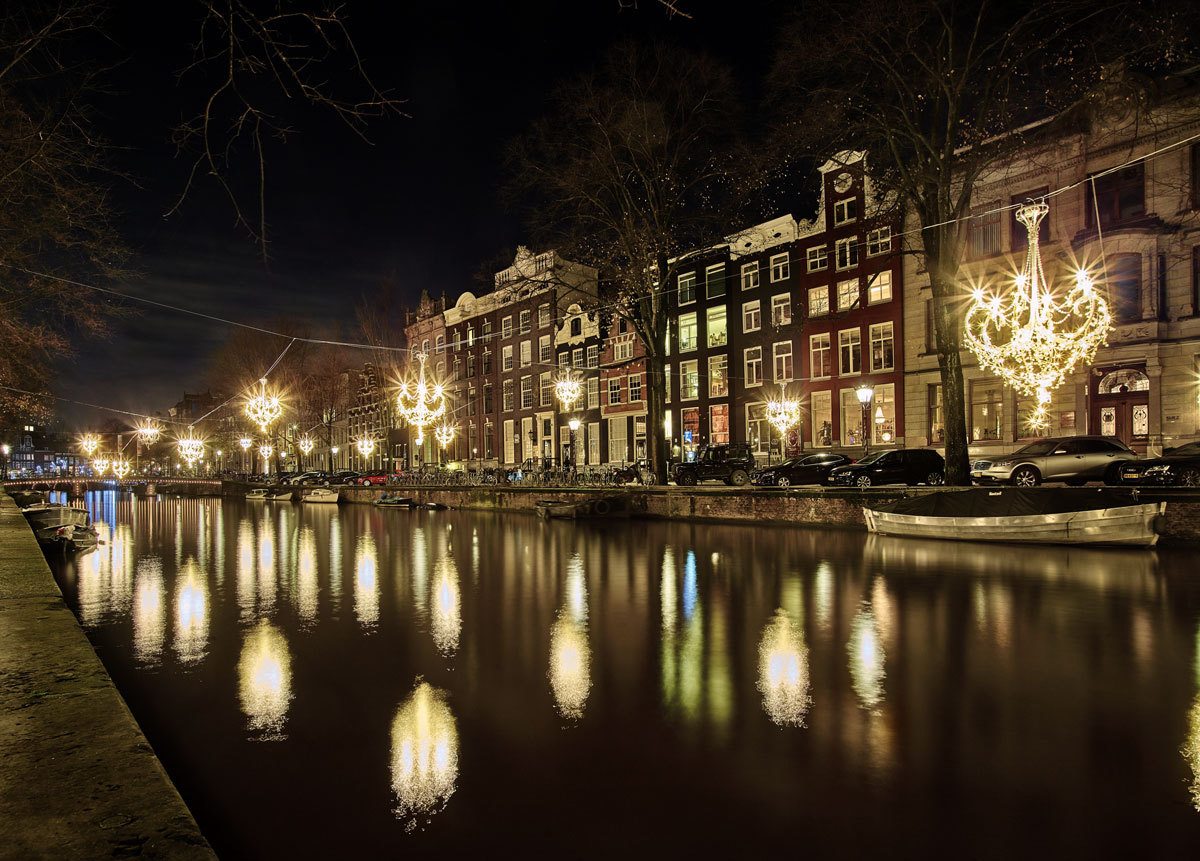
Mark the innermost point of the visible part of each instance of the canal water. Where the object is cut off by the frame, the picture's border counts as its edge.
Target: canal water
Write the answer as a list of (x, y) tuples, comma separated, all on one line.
[(341, 681)]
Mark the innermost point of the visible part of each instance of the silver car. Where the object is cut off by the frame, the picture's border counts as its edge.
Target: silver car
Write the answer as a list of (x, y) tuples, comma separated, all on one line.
[(1075, 460)]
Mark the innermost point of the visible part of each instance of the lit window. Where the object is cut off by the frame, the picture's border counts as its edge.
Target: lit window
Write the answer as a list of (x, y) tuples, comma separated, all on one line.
[(689, 380), (593, 393), (687, 332), (881, 288), (593, 356), (545, 351), (847, 294), (526, 392), (718, 376), (818, 301), (718, 336), (526, 354), (623, 350)]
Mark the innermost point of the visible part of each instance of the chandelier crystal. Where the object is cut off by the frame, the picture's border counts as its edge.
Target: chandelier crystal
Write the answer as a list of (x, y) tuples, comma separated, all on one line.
[(266, 450), (1031, 338), (421, 404), (191, 447), (783, 414), (263, 408)]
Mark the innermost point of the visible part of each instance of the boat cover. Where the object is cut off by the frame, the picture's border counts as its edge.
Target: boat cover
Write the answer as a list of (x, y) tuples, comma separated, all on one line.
[(1009, 502)]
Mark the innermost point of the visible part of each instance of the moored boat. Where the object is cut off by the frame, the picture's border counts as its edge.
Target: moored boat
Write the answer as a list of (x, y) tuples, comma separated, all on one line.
[(257, 493), (393, 502), (322, 494), (43, 514), (1023, 515), (280, 495)]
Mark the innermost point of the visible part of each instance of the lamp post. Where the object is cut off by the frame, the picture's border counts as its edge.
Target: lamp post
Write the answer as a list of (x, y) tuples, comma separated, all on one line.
[(573, 424), (475, 456), (865, 392), (4, 450), (333, 450)]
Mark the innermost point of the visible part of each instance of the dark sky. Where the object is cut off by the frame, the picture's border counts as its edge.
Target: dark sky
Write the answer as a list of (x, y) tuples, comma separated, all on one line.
[(421, 201)]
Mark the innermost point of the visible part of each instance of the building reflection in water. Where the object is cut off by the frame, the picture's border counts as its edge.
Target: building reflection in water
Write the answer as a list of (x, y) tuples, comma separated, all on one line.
[(366, 581), (191, 613), (149, 612), (866, 658), (265, 680), (266, 567), (823, 593), (307, 589), (783, 671), (570, 653), (445, 618), (424, 754), (1191, 745)]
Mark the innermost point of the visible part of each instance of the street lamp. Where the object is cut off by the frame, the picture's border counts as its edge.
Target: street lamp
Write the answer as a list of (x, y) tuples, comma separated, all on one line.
[(573, 424), (865, 392), (333, 450), (245, 442), (4, 450)]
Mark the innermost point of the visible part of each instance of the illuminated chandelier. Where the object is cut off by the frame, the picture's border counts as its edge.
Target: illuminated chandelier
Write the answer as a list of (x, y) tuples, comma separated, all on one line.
[(191, 447), (1031, 339), (305, 444), (444, 434), (101, 465), (422, 404), (783, 414), (121, 468), (263, 408), (88, 443), (365, 445), (147, 432), (568, 391), (266, 450)]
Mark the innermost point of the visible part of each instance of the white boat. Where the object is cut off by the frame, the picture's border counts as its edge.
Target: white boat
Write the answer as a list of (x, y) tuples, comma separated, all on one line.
[(1023, 515), (257, 493), (322, 494), (280, 495), (44, 514)]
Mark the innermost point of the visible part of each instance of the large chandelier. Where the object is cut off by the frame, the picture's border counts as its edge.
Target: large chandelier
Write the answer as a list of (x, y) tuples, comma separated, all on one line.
[(191, 447), (101, 465), (121, 468), (88, 443), (444, 434), (365, 445), (421, 404), (245, 442), (1030, 338), (568, 391), (263, 408), (147, 432), (306, 445), (783, 414), (266, 450)]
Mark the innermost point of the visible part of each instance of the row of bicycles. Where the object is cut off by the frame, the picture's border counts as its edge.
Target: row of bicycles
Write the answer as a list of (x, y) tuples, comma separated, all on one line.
[(529, 475)]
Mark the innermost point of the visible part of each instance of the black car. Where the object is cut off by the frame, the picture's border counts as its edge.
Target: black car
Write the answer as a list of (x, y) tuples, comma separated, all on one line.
[(316, 476), (346, 476), (801, 469), (905, 466), (730, 463), (1178, 467)]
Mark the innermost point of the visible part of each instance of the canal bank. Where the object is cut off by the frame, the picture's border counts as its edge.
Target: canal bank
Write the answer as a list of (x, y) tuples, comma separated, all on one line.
[(77, 777), (807, 507)]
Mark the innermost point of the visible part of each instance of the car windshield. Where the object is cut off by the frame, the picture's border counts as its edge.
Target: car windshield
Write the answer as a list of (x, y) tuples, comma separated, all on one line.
[(1040, 447), (872, 457)]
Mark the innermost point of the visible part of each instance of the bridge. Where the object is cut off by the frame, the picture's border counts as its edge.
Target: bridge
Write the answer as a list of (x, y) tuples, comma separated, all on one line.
[(78, 486)]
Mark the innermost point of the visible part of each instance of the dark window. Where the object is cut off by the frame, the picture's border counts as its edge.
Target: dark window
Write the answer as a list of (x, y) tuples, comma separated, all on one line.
[(1195, 176), (1125, 287), (1119, 197), (576, 327), (1020, 236)]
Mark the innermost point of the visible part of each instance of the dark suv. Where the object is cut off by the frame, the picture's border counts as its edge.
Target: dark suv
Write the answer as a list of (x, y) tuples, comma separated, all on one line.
[(731, 464), (905, 466)]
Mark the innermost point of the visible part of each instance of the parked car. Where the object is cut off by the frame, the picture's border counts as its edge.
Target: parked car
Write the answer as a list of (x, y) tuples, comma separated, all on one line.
[(801, 469), (1177, 467), (902, 466), (316, 476), (372, 478), (1075, 460), (345, 476), (730, 463)]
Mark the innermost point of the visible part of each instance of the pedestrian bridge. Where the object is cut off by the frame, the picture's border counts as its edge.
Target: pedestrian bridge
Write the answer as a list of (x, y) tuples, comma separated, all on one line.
[(77, 486)]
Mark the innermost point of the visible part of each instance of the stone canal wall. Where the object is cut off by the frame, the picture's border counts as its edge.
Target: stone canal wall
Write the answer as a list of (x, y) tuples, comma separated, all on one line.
[(77, 777), (799, 507)]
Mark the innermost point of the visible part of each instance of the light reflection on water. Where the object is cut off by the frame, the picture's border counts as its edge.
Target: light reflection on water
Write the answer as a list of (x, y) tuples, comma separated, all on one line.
[(705, 657)]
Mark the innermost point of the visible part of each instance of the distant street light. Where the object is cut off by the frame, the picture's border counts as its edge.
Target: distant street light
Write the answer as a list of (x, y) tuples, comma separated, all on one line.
[(573, 424), (865, 393)]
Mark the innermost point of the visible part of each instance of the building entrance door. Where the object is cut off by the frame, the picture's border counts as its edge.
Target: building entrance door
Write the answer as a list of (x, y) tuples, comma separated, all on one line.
[(1121, 406)]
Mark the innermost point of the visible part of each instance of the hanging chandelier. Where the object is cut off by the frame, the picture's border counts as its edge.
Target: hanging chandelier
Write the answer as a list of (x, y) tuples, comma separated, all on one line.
[(421, 404), (121, 468), (266, 450), (365, 445), (568, 391), (263, 408), (444, 434), (88, 443), (147, 432), (783, 414), (101, 465), (191, 447), (305, 445), (1030, 338), (245, 442)]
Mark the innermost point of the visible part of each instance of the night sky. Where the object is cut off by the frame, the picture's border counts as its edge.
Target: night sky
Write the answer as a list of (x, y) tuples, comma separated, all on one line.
[(421, 201)]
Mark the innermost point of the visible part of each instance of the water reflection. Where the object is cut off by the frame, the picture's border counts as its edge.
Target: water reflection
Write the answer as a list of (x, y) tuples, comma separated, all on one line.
[(866, 658), (307, 594), (191, 613), (445, 620), (265, 681), (424, 754), (149, 614), (366, 581), (783, 671)]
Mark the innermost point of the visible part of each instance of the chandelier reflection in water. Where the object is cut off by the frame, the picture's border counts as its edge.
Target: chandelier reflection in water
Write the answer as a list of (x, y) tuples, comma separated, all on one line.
[(420, 403), (1031, 338)]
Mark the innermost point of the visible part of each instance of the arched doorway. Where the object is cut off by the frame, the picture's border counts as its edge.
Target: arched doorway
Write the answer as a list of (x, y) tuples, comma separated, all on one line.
[(1120, 400)]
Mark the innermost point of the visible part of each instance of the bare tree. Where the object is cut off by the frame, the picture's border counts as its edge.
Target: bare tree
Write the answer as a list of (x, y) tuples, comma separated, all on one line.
[(261, 59), (55, 218), (937, 93), (631, 170)]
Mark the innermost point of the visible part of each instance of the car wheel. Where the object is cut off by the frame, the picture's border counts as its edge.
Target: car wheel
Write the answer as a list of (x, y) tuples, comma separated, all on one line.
[(1189, 477), (934, 479), (738, 477), (784, 481), (1026, 476), (863, 481), (1112, 476), (686, 478)]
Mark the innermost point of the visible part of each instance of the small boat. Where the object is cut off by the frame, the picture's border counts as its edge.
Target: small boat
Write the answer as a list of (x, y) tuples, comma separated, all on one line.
[(70, 538), (43, 514), (1023, 515), (26, 498), (433, 506), (280, 495), (257, 493), (321, 494), (605, 506), (393, 502)]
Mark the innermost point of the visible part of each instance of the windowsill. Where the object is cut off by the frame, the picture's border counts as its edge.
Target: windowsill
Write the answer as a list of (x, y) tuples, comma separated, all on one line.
[(751, 331), (752, 385), (815, 271), (879, 301)]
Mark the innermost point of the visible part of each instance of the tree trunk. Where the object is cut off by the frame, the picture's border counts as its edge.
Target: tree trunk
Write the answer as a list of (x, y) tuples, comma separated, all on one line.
[(656, 384), (941, 263)]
